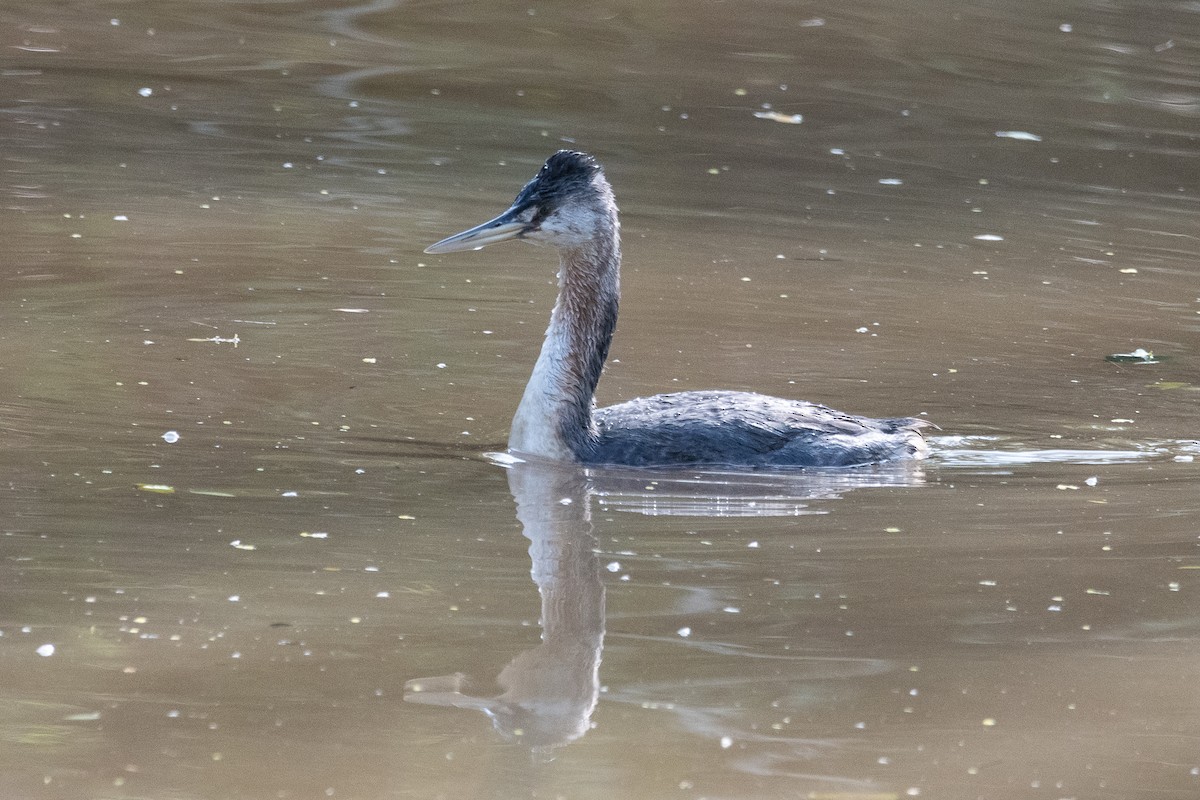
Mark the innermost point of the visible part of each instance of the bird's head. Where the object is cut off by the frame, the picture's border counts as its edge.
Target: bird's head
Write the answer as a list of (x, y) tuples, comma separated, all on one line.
[(567, 204)]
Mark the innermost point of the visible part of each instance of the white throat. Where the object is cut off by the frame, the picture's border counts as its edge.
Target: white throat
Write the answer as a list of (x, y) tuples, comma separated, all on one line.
[(533, 430)]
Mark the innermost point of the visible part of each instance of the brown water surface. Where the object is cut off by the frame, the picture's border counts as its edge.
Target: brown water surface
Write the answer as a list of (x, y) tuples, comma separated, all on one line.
[(250, 546)]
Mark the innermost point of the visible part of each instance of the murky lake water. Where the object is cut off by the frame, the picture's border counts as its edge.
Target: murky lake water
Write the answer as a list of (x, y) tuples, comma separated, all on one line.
[(213, 217)]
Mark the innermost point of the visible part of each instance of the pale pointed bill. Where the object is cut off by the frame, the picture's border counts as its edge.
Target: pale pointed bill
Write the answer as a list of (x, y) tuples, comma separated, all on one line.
[(501, 229)]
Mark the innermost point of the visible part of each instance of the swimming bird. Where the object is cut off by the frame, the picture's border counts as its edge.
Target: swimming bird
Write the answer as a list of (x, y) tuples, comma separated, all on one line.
[(569, 205)]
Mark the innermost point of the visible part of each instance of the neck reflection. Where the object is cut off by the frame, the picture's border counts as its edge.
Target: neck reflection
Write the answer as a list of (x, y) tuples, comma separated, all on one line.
[(549, 691)]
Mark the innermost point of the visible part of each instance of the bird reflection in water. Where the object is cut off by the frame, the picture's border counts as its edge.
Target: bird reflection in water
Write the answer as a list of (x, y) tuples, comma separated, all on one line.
[(548, 692)]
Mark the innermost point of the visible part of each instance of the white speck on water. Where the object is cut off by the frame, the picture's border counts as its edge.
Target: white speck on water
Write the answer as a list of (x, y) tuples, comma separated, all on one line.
[(233, 598), (684, 632), (1185, 458), (892, 181), (987, 583), (1066, 27), (288, 165), (370, 360), (565, 501), (1024, 136), (237, 544), (145, 91), (989, 237), (353, 310), (46, 650), (1054, 607), (837, 151), (290, 494), (383, 594), (753, 545), (613, 566), (171, 437), (1173, 586), (726, 742), (1092, 481), (314, 535), (120, 218), (441, 365), (731, 610)]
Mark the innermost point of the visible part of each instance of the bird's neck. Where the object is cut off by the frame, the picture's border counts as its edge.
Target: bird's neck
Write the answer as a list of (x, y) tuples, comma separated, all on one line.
[(554, 419)]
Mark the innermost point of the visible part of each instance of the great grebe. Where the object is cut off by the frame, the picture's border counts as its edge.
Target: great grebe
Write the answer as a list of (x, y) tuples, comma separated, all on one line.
[(569, 205)]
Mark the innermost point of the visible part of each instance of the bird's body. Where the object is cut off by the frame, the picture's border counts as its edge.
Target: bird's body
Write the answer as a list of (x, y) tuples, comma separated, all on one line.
[(569, 205), (744, 428)]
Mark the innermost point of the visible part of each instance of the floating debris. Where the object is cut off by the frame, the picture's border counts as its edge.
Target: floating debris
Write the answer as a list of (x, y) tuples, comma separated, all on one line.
[(235, 341), (1024, 136), (989, 237), (775, 116), (1139, 356), (171, 437), (86, 716), (46, 650), (238, 544), (158, 488)]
